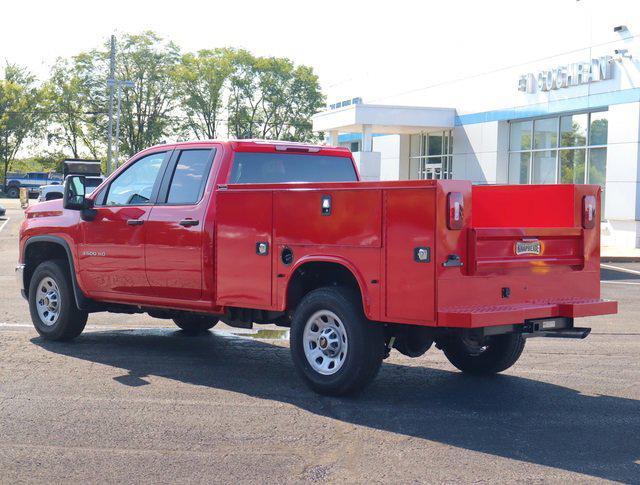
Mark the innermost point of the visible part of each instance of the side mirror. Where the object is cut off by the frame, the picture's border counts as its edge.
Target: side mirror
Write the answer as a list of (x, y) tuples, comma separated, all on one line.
[(74, 193)]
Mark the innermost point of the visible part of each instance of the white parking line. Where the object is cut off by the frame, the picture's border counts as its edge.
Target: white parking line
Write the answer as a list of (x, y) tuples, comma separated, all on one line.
[(4, 224), (618, 268), (621, 283)]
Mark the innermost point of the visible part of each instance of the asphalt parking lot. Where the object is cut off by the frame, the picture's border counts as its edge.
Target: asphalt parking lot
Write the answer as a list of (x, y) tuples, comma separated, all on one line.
[(134, 400)]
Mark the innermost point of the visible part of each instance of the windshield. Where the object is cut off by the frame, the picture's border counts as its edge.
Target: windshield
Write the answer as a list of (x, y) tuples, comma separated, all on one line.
[(265, 168)]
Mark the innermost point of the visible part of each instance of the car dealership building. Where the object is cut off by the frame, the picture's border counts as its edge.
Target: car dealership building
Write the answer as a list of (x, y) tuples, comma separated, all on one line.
[(572, 118)]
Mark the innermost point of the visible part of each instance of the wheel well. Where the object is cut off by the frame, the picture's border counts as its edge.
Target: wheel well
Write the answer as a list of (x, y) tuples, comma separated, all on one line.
[(313, 275), (37, 253)]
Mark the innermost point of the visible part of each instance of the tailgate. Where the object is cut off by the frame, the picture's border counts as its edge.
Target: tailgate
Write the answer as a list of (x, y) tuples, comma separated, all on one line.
[(525, 252), (501, 249)]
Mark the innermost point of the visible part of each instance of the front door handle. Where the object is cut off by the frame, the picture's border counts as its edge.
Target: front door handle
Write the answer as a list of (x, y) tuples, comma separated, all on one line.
[(189, 222), (135, 222)]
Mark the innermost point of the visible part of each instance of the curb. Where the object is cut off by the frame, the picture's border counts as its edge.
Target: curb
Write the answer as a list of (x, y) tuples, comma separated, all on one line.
[(620, 259)]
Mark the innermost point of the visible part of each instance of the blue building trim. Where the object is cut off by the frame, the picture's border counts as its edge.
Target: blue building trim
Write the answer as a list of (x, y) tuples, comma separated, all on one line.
[(590, 102), (349, 137), (594, 101)]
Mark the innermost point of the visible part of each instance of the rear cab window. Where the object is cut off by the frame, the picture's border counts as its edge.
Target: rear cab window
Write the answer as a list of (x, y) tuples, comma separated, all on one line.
[(269, 168)]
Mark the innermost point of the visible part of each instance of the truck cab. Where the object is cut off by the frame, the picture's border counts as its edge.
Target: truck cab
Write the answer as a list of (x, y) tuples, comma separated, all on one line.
[(249, 232)]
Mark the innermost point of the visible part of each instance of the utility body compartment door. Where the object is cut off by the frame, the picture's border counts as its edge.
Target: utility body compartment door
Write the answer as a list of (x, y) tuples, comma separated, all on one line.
[(409, 216), (244, 222)]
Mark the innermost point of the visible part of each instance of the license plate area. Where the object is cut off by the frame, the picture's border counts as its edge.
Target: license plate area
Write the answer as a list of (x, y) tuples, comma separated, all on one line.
[(528, 247)]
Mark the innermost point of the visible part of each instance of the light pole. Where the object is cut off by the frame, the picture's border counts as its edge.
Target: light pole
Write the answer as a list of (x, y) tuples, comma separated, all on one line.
[(121, 84)]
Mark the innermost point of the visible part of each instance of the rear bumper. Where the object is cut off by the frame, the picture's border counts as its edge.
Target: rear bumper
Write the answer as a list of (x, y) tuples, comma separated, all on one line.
[(488, 316)]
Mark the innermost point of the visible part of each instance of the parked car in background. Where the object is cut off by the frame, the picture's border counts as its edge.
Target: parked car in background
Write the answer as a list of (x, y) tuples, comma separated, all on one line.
[(90, 169), (52, 192), (3, 211), (30, 180)]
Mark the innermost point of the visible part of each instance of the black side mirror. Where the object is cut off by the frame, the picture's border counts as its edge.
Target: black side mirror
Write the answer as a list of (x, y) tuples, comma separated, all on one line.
[(74, 197), (74, 193)]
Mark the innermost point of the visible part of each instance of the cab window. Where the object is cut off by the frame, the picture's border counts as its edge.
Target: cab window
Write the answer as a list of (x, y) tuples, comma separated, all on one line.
[(190, 176), (134, 186), (265, 168)]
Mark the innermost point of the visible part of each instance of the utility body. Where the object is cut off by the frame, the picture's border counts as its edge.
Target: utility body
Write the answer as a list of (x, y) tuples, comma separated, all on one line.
[(275, 232)]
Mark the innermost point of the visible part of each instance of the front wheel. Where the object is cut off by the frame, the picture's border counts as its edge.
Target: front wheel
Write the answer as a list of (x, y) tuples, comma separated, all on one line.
[(13, 192), (482, 356), (335, 349), (51, 302)]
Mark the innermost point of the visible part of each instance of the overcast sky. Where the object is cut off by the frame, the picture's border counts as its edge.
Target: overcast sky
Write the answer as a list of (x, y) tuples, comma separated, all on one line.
[(370, 49)]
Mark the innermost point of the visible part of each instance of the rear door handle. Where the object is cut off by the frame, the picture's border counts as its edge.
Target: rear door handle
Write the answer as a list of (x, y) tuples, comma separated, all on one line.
[(189, 222), (135, 222)]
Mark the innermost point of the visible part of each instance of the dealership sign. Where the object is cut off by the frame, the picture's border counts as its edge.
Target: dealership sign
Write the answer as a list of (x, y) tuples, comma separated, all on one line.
[(566, 76)]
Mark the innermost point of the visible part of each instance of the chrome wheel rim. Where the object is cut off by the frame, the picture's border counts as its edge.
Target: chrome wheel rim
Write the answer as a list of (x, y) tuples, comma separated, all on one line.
[(48, 301), (325, 342)]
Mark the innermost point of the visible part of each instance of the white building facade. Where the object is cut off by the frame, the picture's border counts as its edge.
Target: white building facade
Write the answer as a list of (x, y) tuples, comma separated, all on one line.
[(572, 118)]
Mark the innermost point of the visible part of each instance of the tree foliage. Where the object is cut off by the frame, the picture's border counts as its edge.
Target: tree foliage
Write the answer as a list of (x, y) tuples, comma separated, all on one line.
[(22, 112), (271, 98), (201, 80), (212, 93)]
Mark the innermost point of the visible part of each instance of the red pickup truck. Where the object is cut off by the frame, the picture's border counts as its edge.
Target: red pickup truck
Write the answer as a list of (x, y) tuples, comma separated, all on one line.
[(251, 232)]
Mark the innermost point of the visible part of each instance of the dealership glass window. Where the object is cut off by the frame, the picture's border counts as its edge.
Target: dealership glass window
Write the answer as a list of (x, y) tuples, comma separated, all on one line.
[(544, 167), (573, 130), (519, 167), (569, 148), (598, 128), (572, 163), (430, 155), (545, 133)]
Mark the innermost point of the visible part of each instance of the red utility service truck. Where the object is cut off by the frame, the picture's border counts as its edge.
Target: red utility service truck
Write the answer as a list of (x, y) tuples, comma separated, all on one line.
[(251, 232)]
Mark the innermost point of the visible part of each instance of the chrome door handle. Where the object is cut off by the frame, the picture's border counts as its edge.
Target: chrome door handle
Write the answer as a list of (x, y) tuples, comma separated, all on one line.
[(189, 222), (135, 222)]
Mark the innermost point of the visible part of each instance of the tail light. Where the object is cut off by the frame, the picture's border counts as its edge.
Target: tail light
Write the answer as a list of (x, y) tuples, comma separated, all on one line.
[(589, 211), (455, 206)]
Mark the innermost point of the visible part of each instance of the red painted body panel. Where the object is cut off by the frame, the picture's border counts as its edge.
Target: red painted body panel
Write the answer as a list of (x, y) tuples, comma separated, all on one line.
[(111, 252), (409, 224), (243, 277), (373, 231), (298, 217), (173, 253)]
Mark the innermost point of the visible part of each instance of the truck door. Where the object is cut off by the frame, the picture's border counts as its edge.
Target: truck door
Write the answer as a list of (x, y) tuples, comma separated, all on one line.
[(244, 247), (409, 248), (174, 239), (111, 252)]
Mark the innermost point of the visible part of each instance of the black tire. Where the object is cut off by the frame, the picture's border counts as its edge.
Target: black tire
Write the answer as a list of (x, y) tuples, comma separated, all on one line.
[(70, 321), (13, 192), (195, 323), (365, 339), (490, 356)]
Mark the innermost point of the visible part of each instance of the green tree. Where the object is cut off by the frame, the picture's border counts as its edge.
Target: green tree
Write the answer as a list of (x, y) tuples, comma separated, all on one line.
[(272, 98), (75, 115), (200, 82), (22, 112), (148, 108)]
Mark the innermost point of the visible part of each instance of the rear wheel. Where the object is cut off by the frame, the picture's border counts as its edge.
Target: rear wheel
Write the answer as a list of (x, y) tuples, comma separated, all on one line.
[(482, 356), (52, 304), (335, 349), (195, 323), (13, 192)]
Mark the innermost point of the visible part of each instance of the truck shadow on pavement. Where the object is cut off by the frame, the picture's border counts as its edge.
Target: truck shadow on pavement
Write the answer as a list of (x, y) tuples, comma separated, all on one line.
[(503, 415)]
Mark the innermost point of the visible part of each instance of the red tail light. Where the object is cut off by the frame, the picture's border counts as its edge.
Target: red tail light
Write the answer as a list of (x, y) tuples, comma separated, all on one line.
[(589, 211), (455, 206)]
